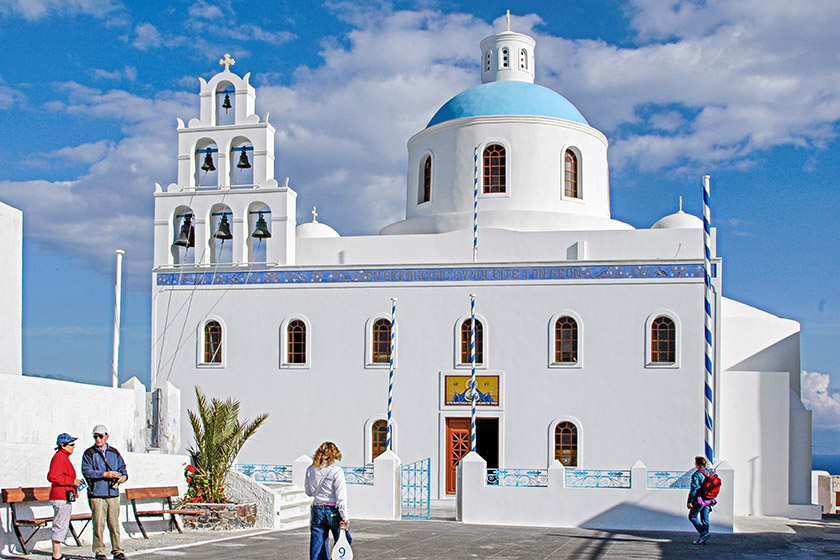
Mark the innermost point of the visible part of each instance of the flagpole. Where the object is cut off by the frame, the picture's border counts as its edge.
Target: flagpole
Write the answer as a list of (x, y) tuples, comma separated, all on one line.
[(391, 376), (707, 277), (115, 360), (472, 381), (475, 205)]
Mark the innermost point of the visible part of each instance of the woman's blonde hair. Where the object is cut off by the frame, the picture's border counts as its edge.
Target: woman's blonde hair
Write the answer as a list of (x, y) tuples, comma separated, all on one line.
[(327, 453)]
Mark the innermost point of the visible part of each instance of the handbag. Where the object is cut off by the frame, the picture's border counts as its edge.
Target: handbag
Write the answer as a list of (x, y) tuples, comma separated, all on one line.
[(342, 549)]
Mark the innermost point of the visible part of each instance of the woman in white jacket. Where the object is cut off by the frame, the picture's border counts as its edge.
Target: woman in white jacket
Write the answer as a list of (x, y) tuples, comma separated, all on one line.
[(325, 483)]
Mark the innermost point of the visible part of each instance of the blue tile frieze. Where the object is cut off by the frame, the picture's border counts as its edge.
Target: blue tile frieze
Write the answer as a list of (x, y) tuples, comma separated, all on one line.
[(443, 274)]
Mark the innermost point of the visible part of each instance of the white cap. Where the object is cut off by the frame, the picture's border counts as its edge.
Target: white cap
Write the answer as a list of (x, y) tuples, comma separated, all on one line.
[(100, 429)]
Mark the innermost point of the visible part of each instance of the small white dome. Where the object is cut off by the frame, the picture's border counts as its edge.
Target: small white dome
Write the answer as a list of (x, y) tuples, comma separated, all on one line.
[(314, 230), (680, 220)]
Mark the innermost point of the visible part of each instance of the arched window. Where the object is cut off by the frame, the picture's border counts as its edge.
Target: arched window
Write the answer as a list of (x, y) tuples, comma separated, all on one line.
[(505, 58), (494, 169), (565, 340), (212, 343), (566, 444), (381, 339), (487, 57), (523, 59), (571, 183), (378, 438), (426, 180), (296, 342), (663, 341), (466, 358)]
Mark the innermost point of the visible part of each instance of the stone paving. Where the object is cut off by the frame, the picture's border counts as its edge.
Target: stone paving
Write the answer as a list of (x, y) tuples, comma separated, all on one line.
[(756, 537)]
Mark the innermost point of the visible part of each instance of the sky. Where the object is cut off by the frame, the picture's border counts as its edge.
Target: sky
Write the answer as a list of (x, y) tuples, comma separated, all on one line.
[(747, 92)]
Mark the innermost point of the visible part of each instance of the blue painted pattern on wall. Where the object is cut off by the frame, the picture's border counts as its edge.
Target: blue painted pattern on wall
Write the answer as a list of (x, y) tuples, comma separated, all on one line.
[(429, 275)]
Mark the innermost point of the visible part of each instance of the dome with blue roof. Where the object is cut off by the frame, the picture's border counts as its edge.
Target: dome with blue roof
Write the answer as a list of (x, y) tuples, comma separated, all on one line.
[(507, 98)]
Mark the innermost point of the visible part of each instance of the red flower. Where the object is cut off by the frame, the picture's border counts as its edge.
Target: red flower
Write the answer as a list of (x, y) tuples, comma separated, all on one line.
[(200, 490), (191, 468), (189, 479)]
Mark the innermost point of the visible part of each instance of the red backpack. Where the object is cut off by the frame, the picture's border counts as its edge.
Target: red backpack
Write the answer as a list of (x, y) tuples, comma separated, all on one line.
[(711, 485)]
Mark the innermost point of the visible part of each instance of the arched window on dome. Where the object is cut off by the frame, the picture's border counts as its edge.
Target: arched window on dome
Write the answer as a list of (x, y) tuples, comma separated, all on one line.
[(565, 340), (505, 58), (424, 191), (495, 176), (571, 175), (466, 328), (523, 59), (212, 343), (566, 444), (663, 341)]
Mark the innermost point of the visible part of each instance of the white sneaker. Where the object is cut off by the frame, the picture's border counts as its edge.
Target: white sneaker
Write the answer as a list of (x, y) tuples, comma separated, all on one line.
[(697, 540), (704, 538)]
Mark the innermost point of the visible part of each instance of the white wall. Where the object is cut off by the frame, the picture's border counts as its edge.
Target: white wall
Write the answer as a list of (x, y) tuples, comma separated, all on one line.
[(43, 408), (26, 464), (555, 505), (11, 286)]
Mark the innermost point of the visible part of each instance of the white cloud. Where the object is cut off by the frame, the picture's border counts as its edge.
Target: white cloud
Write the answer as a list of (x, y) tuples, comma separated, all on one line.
[(37, 9), (83, 153), (821, 399), (147, 36)]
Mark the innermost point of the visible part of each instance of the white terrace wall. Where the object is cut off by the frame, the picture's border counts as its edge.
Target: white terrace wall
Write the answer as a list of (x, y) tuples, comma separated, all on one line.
[(555, 505), (26, 464)]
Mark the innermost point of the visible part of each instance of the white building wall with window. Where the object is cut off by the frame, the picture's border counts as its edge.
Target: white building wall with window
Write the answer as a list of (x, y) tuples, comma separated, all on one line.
[(542, 255)]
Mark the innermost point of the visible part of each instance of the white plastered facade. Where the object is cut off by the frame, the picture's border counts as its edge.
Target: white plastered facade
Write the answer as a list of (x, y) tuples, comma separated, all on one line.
[(11, 288), (542, 255)]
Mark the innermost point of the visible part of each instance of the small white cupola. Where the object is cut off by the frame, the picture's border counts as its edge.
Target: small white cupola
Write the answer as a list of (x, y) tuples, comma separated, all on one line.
[(508, 56), (679, 220), (315, 229)]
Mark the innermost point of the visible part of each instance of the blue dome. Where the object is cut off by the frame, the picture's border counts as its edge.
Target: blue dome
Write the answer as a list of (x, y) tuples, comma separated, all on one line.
[(507, 98)]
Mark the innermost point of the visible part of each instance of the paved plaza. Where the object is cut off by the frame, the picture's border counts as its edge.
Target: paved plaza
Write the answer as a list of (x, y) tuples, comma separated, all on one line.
[(440, 539)]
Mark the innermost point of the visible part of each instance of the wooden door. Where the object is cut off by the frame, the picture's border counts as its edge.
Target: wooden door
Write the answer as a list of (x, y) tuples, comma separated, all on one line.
[(457, 446)]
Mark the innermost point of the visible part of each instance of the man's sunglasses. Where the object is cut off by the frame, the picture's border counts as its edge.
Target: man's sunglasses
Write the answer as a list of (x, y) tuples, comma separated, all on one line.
[(98, 436)]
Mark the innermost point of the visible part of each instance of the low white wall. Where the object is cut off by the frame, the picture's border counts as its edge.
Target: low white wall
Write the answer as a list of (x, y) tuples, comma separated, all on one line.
[(381, 500), (244, 490), (36, 410), (26, 464), (821, 491), (634, 508)]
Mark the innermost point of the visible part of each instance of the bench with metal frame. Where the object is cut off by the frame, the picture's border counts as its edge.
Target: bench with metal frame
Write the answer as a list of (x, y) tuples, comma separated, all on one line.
[(16, 496), (165, 495)]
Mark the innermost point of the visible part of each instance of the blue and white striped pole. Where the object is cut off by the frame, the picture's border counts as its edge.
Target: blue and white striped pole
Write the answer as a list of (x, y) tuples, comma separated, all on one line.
[(475, 206), (472, 380), (707, 275), (391, 376)]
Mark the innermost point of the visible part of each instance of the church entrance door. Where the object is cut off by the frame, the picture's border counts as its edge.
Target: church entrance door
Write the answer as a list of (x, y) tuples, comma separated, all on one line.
[(458, 445)]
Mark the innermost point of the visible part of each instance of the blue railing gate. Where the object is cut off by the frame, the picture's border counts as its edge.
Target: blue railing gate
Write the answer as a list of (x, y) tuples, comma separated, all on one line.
[(414, 489)]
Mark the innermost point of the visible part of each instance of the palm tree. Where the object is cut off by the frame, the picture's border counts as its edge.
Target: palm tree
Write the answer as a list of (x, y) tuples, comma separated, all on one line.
[(219, 435)]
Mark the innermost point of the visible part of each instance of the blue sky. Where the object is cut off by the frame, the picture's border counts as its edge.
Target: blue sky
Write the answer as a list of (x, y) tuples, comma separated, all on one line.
[(747, 92)]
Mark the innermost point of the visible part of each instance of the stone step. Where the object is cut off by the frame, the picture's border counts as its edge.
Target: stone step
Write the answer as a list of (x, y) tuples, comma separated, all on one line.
[(295, 521)]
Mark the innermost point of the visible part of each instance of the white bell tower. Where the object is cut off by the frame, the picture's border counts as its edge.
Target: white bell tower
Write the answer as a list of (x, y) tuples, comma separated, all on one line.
[(226, 195)]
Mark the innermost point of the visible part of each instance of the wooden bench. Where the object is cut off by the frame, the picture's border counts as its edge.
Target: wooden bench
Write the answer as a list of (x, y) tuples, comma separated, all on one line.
[(16, 496), (162, 493)]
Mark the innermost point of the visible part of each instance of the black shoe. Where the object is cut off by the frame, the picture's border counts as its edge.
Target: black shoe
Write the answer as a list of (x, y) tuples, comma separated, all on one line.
[(119, 556), (101, 557)]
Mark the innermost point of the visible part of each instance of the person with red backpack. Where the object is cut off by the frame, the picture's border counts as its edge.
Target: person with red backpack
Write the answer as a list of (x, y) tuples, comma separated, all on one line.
[(702, 495)]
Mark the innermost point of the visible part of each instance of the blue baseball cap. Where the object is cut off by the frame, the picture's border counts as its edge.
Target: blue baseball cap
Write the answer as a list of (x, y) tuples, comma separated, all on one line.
[(63, 439)]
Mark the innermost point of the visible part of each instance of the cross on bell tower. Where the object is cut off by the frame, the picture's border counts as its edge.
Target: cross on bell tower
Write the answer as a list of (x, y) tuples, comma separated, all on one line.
[(227, 62)]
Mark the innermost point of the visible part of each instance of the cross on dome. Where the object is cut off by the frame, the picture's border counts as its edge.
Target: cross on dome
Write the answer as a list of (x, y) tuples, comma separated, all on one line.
[(227, 62), (507, 18), (314, 215)]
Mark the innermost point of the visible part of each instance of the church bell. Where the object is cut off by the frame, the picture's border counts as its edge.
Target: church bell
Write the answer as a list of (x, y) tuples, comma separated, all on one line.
[(243, 161), (226, 103), (261, 229), (187, 236), (208, 161), (223, 231)]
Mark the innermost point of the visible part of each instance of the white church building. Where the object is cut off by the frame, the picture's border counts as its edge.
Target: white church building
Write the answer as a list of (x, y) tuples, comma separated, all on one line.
[(590, 332)]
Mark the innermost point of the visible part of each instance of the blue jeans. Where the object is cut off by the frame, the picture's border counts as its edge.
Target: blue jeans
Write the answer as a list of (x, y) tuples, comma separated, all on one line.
[(323, 521), (702, 524)]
